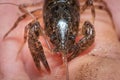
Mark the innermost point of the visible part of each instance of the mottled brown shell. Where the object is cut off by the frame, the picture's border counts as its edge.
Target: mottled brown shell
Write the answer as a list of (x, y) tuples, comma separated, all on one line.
[(54, 10)]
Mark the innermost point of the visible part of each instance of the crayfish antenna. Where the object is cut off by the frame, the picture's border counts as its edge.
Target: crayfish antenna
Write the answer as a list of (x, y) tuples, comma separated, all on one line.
[(9, 4), (65, 61)]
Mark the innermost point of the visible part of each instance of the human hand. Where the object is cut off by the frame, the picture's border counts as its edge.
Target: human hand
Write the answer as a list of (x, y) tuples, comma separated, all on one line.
[(97, 65)]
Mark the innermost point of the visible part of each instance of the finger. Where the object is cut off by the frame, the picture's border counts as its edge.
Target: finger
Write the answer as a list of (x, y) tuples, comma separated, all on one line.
[(10, 68), (114, 8)]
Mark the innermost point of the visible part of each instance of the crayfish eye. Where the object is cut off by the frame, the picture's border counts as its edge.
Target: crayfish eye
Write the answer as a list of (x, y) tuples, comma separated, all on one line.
[(71, 37), (36, 33), (53, 37)]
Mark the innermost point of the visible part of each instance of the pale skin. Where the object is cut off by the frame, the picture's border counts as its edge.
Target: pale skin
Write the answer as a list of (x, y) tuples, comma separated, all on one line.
[(97, 63)]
